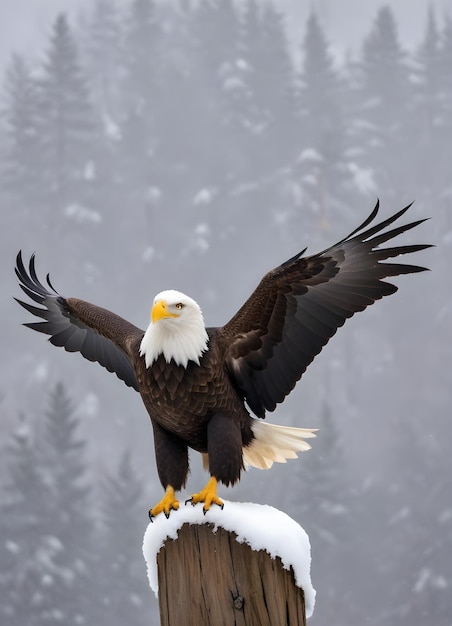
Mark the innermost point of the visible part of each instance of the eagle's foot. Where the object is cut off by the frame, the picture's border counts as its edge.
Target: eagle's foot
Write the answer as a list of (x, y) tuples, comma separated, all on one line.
[(208, 495), (166, 504)]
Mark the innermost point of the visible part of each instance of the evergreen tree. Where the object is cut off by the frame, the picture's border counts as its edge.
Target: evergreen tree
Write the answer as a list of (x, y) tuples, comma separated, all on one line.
[(278, 72), (269, 79), (140, 132), (215, 28), (383, 63), (124, 594), (250, 49), (122, 154), (141, 42), (195, 149), (444, 52), (443, 152), (327, 509), (29, 574), (385, 97), (428, 121), (21, 171), (66, 125), (63, 465), (409, 554), (103, 48), (53, 567), (321, 161), (64, 452), (215, 32), (199, 120), (173, 103), (140, 85)]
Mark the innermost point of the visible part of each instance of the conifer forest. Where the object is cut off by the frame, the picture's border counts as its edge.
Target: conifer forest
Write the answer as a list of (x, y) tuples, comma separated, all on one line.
[(186, 145)]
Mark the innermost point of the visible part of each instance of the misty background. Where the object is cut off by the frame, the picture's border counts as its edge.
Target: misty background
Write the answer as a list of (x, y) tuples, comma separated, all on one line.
[(152, 145)]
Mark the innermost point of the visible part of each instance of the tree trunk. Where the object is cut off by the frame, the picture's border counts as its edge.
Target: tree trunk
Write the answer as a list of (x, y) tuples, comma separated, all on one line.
[(207, 578)]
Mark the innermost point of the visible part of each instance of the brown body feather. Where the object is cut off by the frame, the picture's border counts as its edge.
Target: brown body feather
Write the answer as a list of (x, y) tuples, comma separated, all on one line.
[(182, 399), (182, 403)]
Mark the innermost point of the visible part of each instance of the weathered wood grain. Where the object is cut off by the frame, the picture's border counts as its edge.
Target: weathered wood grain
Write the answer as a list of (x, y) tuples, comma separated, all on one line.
[(207, 578)]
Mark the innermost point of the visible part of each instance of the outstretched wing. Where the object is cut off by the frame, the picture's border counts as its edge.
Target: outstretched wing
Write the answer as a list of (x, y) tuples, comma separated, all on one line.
[(79, 326), (299, 305)]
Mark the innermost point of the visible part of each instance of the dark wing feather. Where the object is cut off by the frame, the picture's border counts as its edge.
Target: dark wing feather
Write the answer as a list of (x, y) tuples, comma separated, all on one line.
[(299, 305), (79, 326)]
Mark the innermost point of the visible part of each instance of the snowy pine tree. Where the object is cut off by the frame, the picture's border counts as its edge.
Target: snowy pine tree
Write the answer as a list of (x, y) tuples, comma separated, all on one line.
[(138, 147), (21, 169), (327, 507), (427, 117), (321, 166), (63, 465), (124, 591), (103, 54), (67, 127), (443, 152), (385, 98), (270, 86), (27, 573)]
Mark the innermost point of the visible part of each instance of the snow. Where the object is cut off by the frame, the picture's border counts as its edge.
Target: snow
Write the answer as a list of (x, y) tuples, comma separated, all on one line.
[(82, 214), (447, 237), (89, 171), (262, 527), (243, 65), (148, 255), (363, 178), (445, 516), (310, 155), (200, 240), (89, 407), (204, 196), (427, 578), (12, 547), (41, 372), (154, 194), (233, 83), (112, 130)]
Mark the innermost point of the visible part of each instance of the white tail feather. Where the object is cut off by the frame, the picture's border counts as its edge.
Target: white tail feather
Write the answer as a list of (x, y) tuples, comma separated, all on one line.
[(275, 444)]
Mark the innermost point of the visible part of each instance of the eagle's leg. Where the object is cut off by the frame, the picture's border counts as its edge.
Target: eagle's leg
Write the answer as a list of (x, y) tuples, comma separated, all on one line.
[(208, 496), (224, 449), (171, 455), (167, 504)]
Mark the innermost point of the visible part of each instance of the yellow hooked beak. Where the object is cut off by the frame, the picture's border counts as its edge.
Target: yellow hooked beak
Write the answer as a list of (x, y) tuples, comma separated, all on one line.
[(159, 311)]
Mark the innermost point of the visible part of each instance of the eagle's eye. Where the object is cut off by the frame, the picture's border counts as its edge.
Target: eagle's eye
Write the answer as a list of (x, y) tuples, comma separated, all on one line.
[(179, 306)]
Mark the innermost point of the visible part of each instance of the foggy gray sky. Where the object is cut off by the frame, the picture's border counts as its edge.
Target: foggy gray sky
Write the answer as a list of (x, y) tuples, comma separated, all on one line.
[(24, 24)]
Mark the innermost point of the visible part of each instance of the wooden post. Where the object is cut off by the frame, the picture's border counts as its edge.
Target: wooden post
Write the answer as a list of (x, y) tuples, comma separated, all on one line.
[(208, 578)]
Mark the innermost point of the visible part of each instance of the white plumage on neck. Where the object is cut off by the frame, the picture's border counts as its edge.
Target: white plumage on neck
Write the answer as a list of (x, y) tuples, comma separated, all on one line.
[(181, 337)]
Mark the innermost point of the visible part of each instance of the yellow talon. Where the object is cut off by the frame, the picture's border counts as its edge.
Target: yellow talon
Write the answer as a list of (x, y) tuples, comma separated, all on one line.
[(208, 495), (166, 504)]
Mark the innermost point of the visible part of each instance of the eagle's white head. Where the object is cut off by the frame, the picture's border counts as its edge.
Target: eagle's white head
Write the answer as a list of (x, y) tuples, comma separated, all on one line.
[(176, 330)]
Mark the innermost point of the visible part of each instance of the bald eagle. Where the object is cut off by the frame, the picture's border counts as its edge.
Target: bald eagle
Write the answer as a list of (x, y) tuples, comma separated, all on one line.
[(200, 385)]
